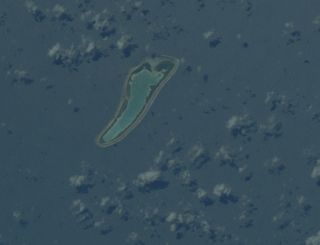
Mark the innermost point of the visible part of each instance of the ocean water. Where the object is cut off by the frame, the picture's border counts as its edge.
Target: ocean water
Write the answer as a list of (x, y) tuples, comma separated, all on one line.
[(229, 152)]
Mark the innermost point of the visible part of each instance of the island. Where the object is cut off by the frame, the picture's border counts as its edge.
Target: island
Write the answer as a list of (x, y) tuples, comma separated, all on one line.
[(140, 89)]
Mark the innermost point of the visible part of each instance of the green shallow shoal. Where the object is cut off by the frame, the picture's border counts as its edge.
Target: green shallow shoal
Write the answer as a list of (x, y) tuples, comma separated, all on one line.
[(141, 87)]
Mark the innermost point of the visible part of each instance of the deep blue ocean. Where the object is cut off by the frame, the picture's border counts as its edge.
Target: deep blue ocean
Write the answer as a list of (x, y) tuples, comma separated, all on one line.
[(228, 154)]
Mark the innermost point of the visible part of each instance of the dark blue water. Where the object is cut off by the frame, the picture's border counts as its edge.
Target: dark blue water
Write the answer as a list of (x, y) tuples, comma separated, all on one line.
[(228, 154)]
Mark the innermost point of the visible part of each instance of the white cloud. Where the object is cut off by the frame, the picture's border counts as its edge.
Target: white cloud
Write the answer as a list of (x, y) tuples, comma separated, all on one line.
[(313, 240), (147, 177)]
